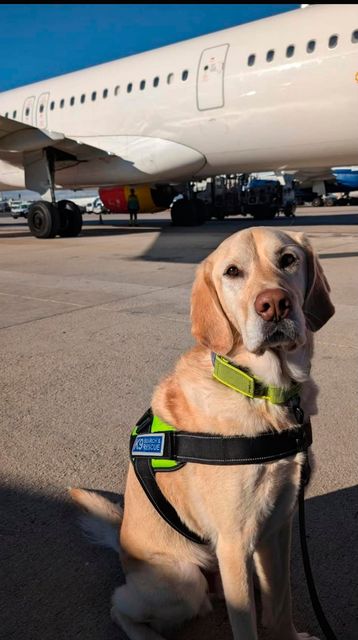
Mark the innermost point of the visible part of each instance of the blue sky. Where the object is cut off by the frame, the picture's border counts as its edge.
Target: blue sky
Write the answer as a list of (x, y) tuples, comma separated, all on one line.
[(40, 41)]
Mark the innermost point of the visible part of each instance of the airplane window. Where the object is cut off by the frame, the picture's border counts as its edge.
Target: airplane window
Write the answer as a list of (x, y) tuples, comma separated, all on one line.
[(14, 114), (52, 105), (72, 101), (270, 55), (62, 103), (290, 51), (41, 109), (311, 45), (333, 41), (142, 85), (251, 60), (355, 36), (184, 75), (27, 112), (155, 81), (129, 87), (94, 95), (83, 98), (116, 91), (7, 114), (170, 78), (105, 93)]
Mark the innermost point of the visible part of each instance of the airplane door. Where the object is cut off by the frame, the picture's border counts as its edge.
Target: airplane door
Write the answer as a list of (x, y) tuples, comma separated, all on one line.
[(210, 87), (41, 111), (28, 110)]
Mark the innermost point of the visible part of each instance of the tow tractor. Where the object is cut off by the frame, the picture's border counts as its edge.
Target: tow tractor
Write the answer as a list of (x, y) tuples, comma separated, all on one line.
[(233, 195)]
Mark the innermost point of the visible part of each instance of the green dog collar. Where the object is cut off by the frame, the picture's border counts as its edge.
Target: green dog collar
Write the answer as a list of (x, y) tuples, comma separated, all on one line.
[(231, 376)]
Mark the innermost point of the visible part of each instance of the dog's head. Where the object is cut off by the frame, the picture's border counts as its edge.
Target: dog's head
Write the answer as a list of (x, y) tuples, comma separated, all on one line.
[(262, 287)]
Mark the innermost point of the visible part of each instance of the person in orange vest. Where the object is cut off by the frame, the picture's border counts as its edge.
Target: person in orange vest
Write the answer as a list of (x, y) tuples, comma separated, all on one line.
[(133, 208)]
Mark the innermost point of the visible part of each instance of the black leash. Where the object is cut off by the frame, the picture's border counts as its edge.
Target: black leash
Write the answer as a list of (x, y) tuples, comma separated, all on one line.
[(322, 620)]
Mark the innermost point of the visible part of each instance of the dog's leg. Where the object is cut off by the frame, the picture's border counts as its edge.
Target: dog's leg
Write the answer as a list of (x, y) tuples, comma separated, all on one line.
[(272, 562), (236, 573)]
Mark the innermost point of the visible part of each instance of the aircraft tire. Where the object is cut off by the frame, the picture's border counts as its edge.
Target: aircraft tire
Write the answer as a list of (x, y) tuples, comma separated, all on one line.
[(317, 202), (187, 213), (264, 213), (330, 202), (290, 209), (43, 219), (201, 211), (70, 219)]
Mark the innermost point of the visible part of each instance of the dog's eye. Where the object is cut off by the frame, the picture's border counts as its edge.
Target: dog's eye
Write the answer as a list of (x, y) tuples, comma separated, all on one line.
[(233, 271), (287, 260)]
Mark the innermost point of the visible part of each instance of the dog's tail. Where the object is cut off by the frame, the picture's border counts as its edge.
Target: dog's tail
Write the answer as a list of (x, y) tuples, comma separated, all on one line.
[(102, 518)]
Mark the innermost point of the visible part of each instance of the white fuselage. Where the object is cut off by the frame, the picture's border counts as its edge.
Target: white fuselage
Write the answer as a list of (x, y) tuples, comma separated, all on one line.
[(290, 112)]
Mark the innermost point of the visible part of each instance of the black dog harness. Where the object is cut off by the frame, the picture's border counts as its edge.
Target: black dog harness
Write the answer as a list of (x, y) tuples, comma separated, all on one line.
[(156, 446)]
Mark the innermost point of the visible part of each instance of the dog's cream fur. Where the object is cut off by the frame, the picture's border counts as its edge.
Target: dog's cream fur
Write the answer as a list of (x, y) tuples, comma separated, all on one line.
[(245, 511)]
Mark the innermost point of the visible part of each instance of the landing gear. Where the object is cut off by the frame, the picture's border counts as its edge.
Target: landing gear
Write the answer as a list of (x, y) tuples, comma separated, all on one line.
[(43, 219), (47, 219)]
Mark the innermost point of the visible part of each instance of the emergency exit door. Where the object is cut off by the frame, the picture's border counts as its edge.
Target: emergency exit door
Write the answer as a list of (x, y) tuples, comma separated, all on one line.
[(211, 76), (41, 111), (28, 110)]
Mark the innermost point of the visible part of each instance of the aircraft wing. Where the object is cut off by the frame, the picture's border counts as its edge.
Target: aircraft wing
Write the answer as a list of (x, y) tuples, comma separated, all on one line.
[(139, 159), (17, 138), (307, 177)]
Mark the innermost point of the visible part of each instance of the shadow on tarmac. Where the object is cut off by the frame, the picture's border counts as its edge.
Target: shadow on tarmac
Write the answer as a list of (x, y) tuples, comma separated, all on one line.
[(192, 244), (57, 586), (89, 229), (184, 238)]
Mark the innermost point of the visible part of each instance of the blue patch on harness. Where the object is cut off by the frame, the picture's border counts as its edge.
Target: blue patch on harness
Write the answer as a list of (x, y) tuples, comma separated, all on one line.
[(149, 444)]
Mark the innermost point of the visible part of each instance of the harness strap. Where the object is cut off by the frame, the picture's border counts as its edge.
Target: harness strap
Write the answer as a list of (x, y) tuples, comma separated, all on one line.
[(146, 476), (236, 450)]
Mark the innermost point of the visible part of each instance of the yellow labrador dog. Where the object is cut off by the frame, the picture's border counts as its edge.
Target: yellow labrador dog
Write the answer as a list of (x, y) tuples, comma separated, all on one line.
[(256, 300)]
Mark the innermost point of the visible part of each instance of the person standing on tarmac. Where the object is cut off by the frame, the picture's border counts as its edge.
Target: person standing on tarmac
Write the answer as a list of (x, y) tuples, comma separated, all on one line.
[(133, 208)]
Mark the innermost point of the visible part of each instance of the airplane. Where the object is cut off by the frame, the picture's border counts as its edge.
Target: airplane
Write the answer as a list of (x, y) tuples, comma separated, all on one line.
[(346, 178), (276, 94)]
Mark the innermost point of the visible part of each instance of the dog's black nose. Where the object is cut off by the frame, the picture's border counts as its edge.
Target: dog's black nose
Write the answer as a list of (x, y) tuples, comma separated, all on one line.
[(273, 304)]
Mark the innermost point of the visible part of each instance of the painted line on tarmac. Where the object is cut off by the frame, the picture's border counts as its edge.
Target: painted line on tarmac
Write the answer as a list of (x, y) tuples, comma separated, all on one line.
[(17, 295)]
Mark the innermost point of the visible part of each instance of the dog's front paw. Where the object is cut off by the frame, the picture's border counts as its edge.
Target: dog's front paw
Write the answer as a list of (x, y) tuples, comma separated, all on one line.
[(306, 636)]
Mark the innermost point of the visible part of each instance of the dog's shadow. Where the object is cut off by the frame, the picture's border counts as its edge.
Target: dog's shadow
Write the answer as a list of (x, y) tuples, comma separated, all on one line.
[(57, 586)]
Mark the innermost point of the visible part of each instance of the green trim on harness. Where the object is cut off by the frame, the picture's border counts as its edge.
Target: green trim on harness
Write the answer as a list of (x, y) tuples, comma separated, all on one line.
[(158, 426), (250, 386)]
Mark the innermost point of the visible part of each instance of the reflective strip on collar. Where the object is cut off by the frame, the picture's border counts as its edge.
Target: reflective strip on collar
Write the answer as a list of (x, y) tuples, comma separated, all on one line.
[(232, 376)]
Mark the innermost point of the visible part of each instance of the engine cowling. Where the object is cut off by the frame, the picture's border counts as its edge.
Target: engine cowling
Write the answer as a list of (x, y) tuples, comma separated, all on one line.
[(152, 199)]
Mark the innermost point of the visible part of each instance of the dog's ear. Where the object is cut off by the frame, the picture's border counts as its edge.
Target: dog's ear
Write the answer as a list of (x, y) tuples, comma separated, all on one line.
[(210, 325), (317, 305)]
